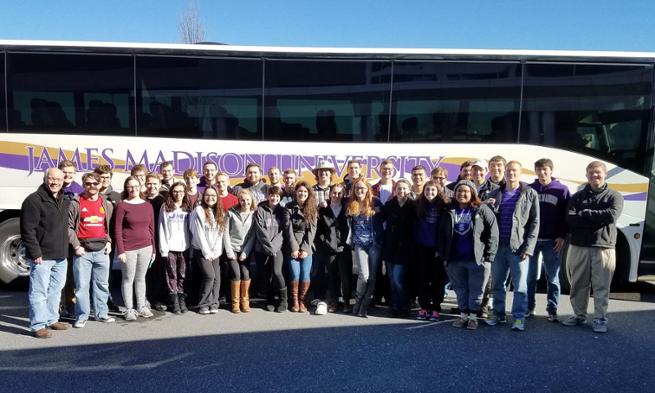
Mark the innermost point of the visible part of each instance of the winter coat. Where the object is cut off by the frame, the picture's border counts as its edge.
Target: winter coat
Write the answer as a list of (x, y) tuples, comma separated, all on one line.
[(485, 233), (298, 233), (525, 220), (331, 232), (44, 225), (269, 228)]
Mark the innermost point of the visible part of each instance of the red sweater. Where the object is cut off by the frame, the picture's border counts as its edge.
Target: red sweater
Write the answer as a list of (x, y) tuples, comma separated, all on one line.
[(134, 226)]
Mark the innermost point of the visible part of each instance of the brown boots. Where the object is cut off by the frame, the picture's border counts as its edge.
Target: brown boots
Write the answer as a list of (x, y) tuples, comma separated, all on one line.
[(235, 287), (304, 287), (294, 296), (245, 298), (298, 293)]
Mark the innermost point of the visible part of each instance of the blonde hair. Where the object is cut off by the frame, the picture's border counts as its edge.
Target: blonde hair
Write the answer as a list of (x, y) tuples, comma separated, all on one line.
[(365, 206)]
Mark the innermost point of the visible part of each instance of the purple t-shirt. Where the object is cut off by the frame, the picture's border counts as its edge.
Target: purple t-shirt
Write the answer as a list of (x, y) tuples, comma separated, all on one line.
[(507, 206), (462, 246)]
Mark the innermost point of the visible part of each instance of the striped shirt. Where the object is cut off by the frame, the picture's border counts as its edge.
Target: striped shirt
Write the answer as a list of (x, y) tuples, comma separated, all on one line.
[(506, 209)]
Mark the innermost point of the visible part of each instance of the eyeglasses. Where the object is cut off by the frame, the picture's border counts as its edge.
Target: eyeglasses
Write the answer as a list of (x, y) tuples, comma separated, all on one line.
[(438, 178), (91, 184)]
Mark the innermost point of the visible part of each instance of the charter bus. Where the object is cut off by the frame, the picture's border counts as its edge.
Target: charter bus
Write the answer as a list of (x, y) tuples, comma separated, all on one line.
[(127, 103)]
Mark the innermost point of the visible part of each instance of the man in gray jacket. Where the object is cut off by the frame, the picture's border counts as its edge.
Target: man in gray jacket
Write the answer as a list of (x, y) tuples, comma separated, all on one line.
[(89, 215), (517, 208), (592, 214)]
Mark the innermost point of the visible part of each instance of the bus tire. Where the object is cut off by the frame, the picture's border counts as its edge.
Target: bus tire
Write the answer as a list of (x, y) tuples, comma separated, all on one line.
[(622, 269), (13, 261)]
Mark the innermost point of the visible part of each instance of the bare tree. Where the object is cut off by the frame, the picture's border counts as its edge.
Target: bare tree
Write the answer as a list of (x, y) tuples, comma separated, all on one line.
[(191, 27)]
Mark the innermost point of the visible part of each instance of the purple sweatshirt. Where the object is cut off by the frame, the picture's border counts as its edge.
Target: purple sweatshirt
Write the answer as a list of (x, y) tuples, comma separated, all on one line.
[(553, 199), (427, 227)]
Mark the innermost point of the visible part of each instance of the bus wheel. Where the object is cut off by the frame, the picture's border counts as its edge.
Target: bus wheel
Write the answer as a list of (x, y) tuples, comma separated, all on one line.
[(622, 269), (13, 261)]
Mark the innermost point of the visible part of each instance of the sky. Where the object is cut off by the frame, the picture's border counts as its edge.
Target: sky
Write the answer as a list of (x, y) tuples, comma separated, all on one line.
[(477, 24)]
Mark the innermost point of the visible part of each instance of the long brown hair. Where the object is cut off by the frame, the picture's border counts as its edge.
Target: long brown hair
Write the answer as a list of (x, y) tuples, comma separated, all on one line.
[(217, 209), (170, 202), (124, 193), (309, 208), (365, 207), (440, 201)]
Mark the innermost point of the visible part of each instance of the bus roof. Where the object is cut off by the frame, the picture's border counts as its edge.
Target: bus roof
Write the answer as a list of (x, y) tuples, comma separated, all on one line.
[(215, 49)]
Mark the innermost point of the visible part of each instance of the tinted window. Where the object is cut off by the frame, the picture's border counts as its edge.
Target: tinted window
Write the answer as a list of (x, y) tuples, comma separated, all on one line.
[(199, 98), (455, 102), (600, 110), (326, 100), (70, 93)]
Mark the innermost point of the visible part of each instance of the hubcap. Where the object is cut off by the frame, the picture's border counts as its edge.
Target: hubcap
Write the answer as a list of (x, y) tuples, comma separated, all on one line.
[(13, 254)]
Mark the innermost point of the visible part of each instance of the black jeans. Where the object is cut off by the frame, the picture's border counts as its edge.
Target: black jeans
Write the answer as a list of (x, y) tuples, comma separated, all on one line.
[(210, 279), (339, 273)]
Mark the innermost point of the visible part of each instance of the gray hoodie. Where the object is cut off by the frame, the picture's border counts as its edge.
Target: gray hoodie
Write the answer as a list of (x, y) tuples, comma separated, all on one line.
[(269, 228), (241, 231)]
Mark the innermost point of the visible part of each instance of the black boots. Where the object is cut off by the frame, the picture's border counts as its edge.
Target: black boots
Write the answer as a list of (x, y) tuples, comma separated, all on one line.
[(182, 301), (282, 305), (175, 303)]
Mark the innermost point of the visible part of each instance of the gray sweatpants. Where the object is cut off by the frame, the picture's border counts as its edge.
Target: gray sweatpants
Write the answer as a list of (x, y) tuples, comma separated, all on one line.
[(134, 276)]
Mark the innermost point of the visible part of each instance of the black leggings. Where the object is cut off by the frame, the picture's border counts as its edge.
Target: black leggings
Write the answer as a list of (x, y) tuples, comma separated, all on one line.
[(432, 279), (269, 272), (239, 269)]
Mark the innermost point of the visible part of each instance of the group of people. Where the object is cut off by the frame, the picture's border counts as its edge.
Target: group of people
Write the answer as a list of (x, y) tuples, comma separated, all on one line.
[(348, 244)]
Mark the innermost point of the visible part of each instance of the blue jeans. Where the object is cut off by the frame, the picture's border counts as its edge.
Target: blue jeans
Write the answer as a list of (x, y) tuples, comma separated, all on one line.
[(367, 260), (47, 279), (301, 268), (91, 270), (508, 262), (398, 285), (551, 260), (468, 280)]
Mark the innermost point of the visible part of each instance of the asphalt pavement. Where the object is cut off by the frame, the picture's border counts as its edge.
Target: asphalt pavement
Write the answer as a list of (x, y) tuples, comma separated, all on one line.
[(289, 352)]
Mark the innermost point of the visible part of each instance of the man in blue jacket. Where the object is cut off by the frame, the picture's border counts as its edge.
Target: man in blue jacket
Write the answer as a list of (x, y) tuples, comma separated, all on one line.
[(592, 214)]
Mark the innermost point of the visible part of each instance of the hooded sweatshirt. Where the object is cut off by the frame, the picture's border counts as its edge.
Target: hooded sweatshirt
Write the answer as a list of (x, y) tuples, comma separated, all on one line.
[(553, 199), (241, 231), (206, 235)]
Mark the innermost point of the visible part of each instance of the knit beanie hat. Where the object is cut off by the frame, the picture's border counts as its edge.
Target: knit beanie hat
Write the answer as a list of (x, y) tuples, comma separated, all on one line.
[(469, 184)]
